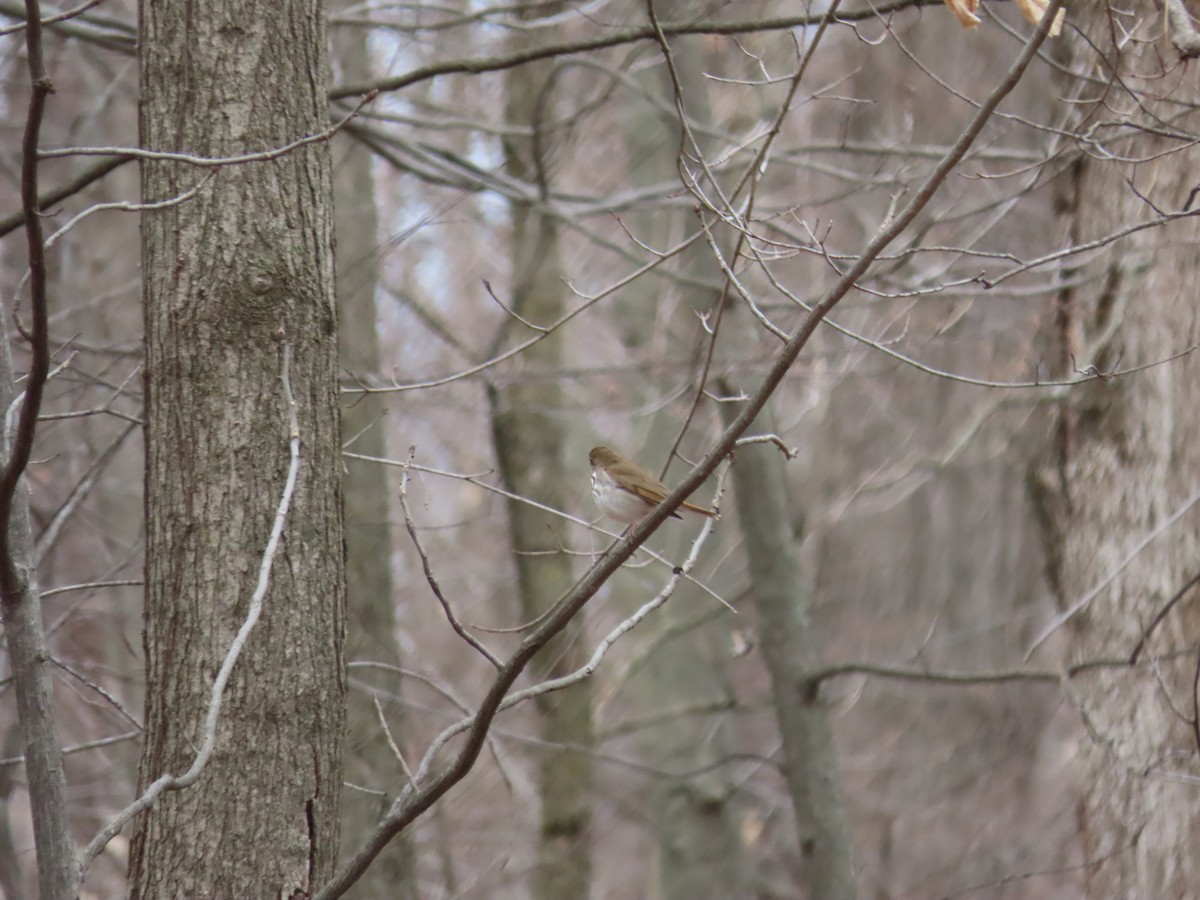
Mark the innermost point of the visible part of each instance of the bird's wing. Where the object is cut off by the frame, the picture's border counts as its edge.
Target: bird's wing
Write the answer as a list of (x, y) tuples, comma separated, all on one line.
[(653, 494)]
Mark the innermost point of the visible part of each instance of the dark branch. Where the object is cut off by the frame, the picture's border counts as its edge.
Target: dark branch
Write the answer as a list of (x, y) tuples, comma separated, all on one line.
[(11, 582)]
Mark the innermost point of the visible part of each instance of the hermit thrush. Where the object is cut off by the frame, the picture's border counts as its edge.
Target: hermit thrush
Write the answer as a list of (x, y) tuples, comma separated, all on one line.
[(625, 491)]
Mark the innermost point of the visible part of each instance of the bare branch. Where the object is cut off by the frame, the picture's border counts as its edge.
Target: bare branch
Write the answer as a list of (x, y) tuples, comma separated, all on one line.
[(1162, 614), (22, 446), (429, 576), (409, 808), (387, 733), (477, 481), (935, 676), (51, 20), (615, 38), (91, 586), (542, 334), (216, 162), (92, 686), (80, 748)]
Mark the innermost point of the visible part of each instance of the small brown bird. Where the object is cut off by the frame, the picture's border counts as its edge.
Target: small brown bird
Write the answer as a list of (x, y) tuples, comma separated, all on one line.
[(626, 492)]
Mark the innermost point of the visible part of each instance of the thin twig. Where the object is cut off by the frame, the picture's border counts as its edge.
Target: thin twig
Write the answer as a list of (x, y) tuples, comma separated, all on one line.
[(92, 686), (411, 526), (1162, 614), (91, 586), (512, 312), (51, 20), (518, 498), (220, 161), (387, 733), (65, 189), (78, 494), (543, 333), (80, 748), (617, 38), (788, 452), (936, 676)]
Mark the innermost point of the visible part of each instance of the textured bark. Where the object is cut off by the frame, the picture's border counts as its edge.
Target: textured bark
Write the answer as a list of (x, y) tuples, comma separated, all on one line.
[(1124, 461), (371, 632), (530, 447), (229, 277), (789, 647)]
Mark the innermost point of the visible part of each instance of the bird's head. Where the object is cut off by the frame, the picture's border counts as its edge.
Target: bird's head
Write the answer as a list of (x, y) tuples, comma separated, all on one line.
[(602, 456)]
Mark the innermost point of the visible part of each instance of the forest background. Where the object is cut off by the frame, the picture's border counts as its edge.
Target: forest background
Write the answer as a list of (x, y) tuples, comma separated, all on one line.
[(906, 291)]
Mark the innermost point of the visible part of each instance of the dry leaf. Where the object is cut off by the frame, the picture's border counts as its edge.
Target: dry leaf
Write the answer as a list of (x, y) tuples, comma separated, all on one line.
[(964, 10), (1033, 10)]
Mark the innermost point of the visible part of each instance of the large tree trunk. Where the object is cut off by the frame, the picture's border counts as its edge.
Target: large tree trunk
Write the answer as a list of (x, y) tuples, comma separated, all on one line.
[(530, 447), (1124, 463), (232, 278)]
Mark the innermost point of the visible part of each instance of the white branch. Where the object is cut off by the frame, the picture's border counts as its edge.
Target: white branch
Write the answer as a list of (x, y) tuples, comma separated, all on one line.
[(175, 782)]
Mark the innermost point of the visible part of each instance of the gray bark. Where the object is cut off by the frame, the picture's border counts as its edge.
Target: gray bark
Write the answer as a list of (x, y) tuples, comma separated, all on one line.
[(230, 277), (790, 650), (1121, 465), (28, 659)]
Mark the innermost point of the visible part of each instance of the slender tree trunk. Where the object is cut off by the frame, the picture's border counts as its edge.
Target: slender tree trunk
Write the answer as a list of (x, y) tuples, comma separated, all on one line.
[(22, 613), (20, 598), (530, 447), (371, 633), (789, 648), (232, 278), (1123, 468)]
